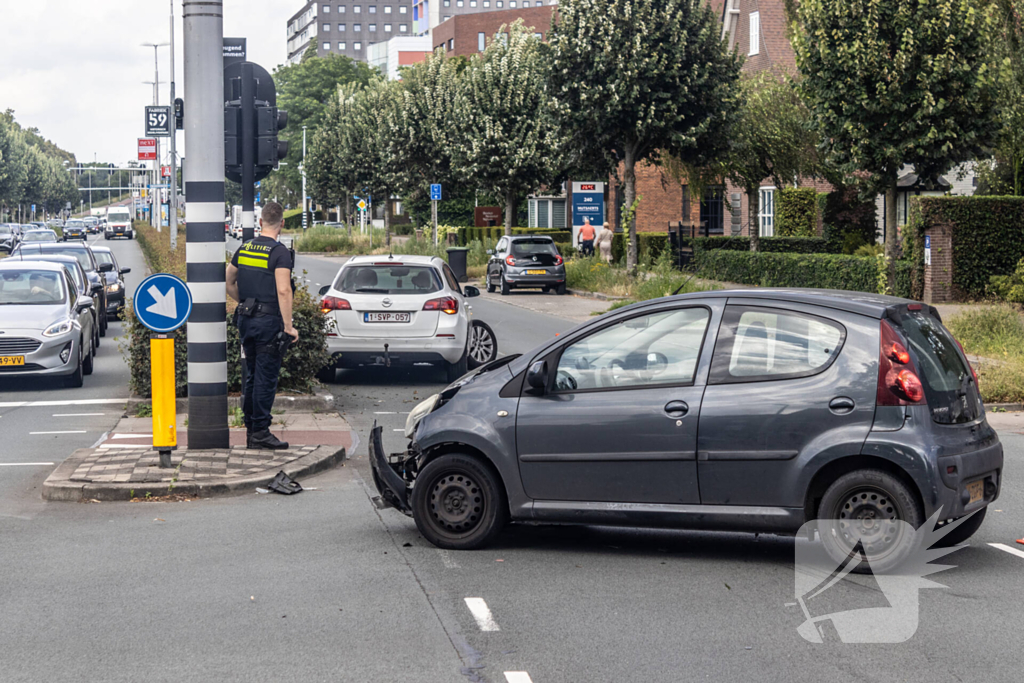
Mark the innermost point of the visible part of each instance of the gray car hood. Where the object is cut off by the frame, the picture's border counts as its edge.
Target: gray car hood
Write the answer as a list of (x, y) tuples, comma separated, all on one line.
[(31, 317)]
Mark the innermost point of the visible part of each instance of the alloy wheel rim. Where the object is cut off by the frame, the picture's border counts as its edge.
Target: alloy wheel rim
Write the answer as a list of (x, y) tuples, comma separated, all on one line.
[(457, 503), (481, 345)]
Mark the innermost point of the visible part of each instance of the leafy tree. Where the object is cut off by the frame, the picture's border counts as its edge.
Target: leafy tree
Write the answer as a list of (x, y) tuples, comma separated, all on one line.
[(506, 140), (894, 82), (1007, 51), (12, 163), (635, 78)]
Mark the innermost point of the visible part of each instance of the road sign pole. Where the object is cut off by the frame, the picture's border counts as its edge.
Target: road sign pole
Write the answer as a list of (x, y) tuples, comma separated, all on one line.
[(433, 219), (161, 373), (203, 28), (172, 207)]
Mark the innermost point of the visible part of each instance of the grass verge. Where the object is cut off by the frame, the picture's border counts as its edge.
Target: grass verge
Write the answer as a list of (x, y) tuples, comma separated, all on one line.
[(995, 333), (594, 275)]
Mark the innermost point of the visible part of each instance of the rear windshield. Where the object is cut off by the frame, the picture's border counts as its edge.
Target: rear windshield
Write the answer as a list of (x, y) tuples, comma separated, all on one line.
[(39, 236), (103, 257), (5, 230), (31, 288), (948, 383), (531, 247), (82, 255), (387, 279)]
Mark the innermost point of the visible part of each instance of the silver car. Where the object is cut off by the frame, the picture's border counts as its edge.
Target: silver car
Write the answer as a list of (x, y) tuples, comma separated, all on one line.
[(46, 328)]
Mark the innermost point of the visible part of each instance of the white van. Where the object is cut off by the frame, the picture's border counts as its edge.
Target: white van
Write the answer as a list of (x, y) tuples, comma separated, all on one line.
[(119, 223)]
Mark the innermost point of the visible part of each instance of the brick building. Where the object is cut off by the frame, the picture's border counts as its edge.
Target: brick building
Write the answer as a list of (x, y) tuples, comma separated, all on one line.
[(469, 34)]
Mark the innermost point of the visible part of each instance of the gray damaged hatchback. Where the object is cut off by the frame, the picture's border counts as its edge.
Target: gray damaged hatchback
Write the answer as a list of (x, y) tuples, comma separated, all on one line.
[(744, 410)]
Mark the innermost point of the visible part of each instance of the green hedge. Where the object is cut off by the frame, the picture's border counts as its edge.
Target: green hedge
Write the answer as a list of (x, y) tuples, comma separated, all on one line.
[(792, 245), (293, 219), (824, 271), (649, 246), (796, 212), (468, 234), (988, 237)]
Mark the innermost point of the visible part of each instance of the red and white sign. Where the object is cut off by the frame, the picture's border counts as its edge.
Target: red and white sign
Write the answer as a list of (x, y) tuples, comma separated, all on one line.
[(165, 171), (147, 149)]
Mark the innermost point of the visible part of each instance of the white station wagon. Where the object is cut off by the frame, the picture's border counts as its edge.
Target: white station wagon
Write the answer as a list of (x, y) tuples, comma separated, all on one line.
[(402, 310)]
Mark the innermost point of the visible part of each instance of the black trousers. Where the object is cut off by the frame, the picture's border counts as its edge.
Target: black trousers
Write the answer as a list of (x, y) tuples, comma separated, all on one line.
[(262, 369), (587, 247)]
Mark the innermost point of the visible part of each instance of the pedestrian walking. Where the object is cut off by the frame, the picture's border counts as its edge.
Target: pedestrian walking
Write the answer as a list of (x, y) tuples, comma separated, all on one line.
[(587, 238), (260, 280), (604, 243)]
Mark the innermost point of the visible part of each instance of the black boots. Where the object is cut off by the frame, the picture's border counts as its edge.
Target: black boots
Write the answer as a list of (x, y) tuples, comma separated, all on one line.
[(265, 441)]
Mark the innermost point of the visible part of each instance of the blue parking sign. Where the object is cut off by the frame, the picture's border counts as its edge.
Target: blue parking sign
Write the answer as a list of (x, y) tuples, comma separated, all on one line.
[(163, 302), (435, 192)]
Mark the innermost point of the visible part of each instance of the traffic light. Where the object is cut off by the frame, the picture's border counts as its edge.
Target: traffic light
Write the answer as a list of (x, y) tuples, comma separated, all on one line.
[(269, 149), (233, 138), (252, 122), (179, 114)]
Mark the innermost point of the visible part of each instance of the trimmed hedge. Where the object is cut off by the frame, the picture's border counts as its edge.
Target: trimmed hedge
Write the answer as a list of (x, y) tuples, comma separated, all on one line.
[(468, 234), (988, 236), (796, 212), (790, 245), (824, 271)]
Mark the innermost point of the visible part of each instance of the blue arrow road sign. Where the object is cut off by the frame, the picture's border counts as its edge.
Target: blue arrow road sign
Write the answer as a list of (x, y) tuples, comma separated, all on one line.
[(258, 197), (435, 191), (163, 302)]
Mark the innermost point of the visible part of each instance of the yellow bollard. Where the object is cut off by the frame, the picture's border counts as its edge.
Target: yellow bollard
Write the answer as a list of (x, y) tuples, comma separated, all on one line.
[(161, 378)]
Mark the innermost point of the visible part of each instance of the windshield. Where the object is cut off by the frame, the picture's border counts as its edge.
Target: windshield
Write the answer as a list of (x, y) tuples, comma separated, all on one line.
[(5, 230), (74, 224), (39, 236), (119, 216), (388, 279), (948, 383), (31, 287), (527, 248)]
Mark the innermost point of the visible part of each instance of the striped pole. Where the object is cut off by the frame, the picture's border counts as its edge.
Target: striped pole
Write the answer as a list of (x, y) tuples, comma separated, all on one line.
[(204, 217)]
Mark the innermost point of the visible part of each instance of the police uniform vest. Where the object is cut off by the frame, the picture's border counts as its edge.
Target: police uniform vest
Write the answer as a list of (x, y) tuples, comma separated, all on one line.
[(257, 260)]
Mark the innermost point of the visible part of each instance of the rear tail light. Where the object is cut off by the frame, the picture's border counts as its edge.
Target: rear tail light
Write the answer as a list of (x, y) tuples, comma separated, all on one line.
[(898, 382), (558, 260), (511, 260), (447, 304), (974, 373), (333, 303)]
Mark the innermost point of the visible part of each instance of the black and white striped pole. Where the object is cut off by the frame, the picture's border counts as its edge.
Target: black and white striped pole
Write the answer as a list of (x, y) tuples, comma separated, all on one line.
[(204, 217)]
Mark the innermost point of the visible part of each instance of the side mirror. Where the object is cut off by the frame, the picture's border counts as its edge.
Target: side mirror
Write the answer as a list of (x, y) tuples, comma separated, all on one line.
[(470, 291), (106, 267), (125, 270), (490, 252), (323, 290), (96, 289), (83, 303), (537, 375)]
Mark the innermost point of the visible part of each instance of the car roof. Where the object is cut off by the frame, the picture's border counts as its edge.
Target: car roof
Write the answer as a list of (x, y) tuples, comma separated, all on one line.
[(397, 258), (516, 238), (47, 246), (863, 303), (9, 264), (97, 247)]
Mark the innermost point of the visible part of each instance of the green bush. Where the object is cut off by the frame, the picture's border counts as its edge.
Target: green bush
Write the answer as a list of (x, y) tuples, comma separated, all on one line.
[(848, 219), (796, 212), (1009, 287), (790, 245), (650, 245)]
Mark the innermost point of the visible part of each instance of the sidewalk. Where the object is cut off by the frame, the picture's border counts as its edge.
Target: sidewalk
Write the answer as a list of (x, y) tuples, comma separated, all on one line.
[(123, 465)]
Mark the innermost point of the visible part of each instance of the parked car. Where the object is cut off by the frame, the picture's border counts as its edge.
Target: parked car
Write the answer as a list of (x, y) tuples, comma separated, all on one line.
[(92, 224), (114, 280), (525, 261), (37, 235), (8, 237), (119, 223), (75, 230), (398, 310), (47, 326), (743, 410), (81, 281), (93, 270)]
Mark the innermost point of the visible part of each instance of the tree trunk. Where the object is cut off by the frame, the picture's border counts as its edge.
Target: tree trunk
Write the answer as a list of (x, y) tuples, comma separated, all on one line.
[(387, 219), (629, 182), (753, 220), (891, 243), (510, 210)]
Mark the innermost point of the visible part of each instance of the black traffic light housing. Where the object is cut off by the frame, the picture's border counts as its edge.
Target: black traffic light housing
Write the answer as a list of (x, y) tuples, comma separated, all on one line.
[(252, 122), (269, 150), (179, 114)]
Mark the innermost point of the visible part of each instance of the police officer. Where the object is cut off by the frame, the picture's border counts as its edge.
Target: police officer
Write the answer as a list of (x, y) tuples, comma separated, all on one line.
[(260, 280)]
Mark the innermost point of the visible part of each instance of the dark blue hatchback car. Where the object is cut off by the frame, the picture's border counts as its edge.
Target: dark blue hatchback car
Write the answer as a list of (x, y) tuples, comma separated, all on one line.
[(751, 410)]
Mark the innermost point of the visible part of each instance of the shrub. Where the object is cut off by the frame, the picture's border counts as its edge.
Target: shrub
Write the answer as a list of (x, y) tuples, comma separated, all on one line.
[(848, 220), (796, 212), (1009, 287), (869, 250), (793, 245), (650, 245)]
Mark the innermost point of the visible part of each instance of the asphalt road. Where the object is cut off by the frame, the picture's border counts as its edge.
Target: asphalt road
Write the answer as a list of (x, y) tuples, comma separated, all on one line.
[(323, 586)]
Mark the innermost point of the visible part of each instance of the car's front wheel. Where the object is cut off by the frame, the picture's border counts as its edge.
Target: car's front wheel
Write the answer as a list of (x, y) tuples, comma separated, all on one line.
[(76, 378), (490, 284), (458, 502), (870, 515)]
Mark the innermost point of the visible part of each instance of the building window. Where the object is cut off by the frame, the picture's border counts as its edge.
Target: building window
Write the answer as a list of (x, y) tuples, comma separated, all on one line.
[(459, 3), (387, 9), (357, 9), (341, 46), (487, 3), (372, 28), (373, 9), (481, 42), (327, 47), (712, 212), (538, 36), (403, 27), (387, 28), (447, 3), (341, 27), (499, 3), (403, 9), (357, 46), (326, 9), (357, 27), (451, 43), (512, 3), (341, 9), (472, 3), (327, 28), (446, 17), (755, 33), (766, 212)]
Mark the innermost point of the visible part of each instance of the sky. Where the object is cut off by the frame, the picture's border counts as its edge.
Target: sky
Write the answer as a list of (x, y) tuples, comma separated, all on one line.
[(74, 69)]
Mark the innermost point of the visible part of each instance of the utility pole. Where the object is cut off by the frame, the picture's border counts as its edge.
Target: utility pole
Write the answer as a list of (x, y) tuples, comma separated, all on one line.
[(172, 204), (203, 28), (303, 169)]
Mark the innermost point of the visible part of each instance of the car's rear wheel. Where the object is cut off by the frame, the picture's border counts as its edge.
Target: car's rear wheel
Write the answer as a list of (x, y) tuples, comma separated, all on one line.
[(870, 515), (327, 373), (95, 336), (505, 288), (103, 320), (483, 346), (87, 364), (76, 378), (964, 531), (458, 368), (560, 289), (458, 502)]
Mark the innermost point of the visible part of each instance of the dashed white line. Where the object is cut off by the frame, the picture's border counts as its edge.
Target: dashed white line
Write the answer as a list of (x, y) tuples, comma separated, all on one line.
[(482, 614), (1006, 548), (518, 677), (72, 431), (82, 402), (78, 414), (400, 429), (24, 464), (384, 412)]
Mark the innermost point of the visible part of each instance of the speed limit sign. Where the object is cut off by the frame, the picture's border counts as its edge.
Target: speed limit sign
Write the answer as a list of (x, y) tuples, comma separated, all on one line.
[(158, 121)]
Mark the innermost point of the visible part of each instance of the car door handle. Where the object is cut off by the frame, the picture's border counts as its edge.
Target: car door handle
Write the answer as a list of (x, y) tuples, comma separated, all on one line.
[(841, 405), (676, 408)]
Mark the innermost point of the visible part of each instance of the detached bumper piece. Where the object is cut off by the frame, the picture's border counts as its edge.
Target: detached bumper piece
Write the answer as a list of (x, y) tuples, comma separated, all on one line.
[(393, 490)]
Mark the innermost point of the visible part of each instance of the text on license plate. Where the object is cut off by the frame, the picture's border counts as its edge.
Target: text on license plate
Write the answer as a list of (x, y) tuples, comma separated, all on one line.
[(977, 491), (387, 317), (536, 272), (12, 360)]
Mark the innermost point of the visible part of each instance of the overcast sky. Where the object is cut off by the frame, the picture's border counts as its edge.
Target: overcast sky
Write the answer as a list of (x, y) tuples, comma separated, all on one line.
[(75, 69)]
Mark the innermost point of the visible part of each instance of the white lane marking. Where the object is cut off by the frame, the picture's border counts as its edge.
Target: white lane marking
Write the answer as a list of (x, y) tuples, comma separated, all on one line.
[(447, 560), (72, 431), (401, 429), (82, 402), (482, 614), (78, 414), (131, 436), (385, 412), (24, 464), (1012, 551), (518, 677)]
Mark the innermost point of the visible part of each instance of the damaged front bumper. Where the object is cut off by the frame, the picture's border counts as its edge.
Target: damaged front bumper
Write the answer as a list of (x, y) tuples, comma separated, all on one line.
[(388, 473)]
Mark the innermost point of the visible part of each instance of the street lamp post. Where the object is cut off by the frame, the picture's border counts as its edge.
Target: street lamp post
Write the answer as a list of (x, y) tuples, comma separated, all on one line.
[(303, 169), (172, 205), (155, 205)]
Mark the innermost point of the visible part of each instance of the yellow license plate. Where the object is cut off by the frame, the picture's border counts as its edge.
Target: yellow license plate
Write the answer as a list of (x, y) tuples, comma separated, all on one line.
[(12, 360), (536, 272), (977, 491)]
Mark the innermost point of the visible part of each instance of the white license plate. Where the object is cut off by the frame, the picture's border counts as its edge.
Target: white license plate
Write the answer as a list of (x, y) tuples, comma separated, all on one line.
[(387, 317)]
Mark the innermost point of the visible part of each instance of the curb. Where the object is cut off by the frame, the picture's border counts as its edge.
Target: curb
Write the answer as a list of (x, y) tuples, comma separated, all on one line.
[(595, 295), (320, 401), (1008, 407), (323, 458)]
